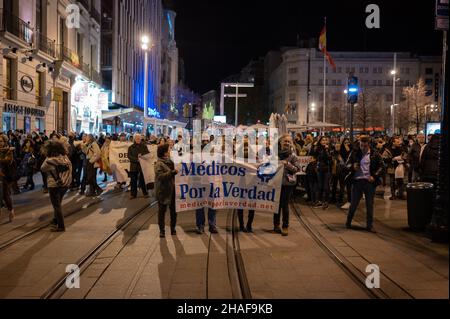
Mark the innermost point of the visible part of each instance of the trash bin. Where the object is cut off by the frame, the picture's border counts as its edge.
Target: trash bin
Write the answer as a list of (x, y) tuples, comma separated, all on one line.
[(420, 205)]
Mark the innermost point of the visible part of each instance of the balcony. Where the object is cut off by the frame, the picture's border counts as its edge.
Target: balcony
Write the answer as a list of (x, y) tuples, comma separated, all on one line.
[(16, 26), (107, 25), (46, 45), (73, 58)]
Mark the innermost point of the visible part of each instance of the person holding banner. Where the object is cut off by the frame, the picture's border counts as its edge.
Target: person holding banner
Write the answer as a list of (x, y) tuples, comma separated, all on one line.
[(292, 166), (165, 189), (136, 150)]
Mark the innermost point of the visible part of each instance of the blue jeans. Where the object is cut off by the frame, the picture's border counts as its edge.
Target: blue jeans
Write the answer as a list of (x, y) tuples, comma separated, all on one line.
[(200, 217), (360, 187)]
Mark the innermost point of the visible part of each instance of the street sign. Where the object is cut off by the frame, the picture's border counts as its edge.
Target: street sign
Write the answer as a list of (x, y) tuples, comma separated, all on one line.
[(442, 15)]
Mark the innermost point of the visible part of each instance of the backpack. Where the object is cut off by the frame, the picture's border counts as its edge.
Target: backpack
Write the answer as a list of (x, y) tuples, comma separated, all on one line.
[(61, 175)]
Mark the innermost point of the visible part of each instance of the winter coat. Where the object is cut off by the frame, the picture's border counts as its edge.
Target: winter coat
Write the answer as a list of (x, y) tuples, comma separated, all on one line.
[(93, 153), (164, 180), (377, 166), (429, 160), (291, 167), (6, 162), (133, 155), (50, 167), (106, 167)]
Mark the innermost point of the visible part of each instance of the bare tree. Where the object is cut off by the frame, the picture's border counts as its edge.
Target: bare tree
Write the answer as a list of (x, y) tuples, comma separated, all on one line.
[(417, 100), (366, 112)]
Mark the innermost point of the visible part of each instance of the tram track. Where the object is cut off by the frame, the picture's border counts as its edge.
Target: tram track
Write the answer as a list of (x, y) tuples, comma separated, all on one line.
[(43, 225), (354, 273), (58, 289)]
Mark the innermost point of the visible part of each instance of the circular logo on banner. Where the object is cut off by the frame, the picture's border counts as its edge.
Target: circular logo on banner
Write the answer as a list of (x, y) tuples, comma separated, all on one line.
[(26, 82), (267, 172)]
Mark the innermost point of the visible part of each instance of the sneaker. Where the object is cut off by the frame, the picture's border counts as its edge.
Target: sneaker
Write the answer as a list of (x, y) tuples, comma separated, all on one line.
[(200, 230), (249, 230), (346, 206), (371, 230), (318, 205), (162, 235), (173, 232), (242, 229), (213, 230), (325, 206), (45, 190), (277, 229), (348, 226), (284, 231)]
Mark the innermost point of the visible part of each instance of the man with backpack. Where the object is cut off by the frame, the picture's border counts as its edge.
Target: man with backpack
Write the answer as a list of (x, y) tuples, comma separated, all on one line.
[(58, 170)]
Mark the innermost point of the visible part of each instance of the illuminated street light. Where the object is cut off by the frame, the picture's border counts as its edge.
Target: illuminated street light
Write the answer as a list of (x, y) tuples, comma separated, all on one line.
[(145, 45)]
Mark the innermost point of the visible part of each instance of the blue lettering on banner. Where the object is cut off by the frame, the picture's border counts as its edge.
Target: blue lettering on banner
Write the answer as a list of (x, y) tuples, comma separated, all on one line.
[(213, 169)]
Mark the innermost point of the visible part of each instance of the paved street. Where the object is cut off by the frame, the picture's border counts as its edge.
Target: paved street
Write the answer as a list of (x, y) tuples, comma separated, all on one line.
[(320, 259)]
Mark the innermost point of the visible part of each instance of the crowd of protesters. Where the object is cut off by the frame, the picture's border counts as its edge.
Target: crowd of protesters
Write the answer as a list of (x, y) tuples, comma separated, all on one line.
[(340, 172)]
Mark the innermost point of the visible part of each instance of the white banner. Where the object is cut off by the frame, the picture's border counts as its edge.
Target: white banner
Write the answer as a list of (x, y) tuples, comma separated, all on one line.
[(228, 186), (148, 164), (118, 159)]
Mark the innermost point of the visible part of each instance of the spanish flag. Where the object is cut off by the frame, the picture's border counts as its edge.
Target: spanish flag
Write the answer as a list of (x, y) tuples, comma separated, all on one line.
[(323, 46)]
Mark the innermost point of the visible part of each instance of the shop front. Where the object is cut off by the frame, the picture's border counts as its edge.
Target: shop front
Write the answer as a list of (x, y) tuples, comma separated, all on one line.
[(13, 114), (87, 103)]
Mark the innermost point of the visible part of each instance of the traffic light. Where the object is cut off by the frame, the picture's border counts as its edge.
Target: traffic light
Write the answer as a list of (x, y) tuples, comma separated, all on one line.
[(353, 90)]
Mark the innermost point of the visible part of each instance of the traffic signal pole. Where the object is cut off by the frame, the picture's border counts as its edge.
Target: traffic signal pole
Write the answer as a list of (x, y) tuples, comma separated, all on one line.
[(352, 112)]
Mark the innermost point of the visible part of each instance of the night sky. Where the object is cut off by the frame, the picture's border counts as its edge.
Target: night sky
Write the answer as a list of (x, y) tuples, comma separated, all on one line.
[(217, 38)]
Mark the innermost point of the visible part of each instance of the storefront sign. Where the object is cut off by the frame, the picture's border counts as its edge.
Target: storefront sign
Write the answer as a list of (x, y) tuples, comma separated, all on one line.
[(27, 84), (23, 110), (64, 80)]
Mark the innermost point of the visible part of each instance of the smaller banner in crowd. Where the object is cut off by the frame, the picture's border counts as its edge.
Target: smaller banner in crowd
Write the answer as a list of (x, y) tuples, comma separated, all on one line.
[(148, 164), (118, 159), (228, 186), (120, 164), (304, 162)]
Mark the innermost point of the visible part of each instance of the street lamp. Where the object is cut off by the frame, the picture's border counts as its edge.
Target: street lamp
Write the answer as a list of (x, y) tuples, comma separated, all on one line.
[(394, 82), (145, 45), (313, 109)]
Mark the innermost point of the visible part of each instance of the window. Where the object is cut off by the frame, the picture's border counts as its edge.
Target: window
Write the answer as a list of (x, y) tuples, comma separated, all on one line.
[(361, 70), (388, 82), (292, 97), (353, 70), (347, 70), (320, 70), (428, 81), (380, 70), (79, 44), (366, 83), (375, 82), (389, 98), (339, 82), (366, 70), (375, 70), (380, 82), (293, 70), (333, 82), (428, 71), (320, 82), (8, 83), (40, 88), (339, 70), (293, 83)]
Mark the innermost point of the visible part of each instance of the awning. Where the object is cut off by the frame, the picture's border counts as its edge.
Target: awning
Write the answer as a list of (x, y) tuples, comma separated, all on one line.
[(116, 113)]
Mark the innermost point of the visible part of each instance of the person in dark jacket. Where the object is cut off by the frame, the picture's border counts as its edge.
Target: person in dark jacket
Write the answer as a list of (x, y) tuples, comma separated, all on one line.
[(367, 168), (428, 163), (6, 160), (28, 163), (394, 156), (165, 189), (324, 161), (135, 151), (414, 152)]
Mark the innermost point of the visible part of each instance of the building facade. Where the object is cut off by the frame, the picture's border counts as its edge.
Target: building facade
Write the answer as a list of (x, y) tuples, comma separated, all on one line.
[(169, 61), (49, 57), (288, 83), (123, 60)]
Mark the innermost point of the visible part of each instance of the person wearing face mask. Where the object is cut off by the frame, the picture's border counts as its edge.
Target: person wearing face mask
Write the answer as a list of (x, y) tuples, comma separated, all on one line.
[(366, 170), (291, 162)]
